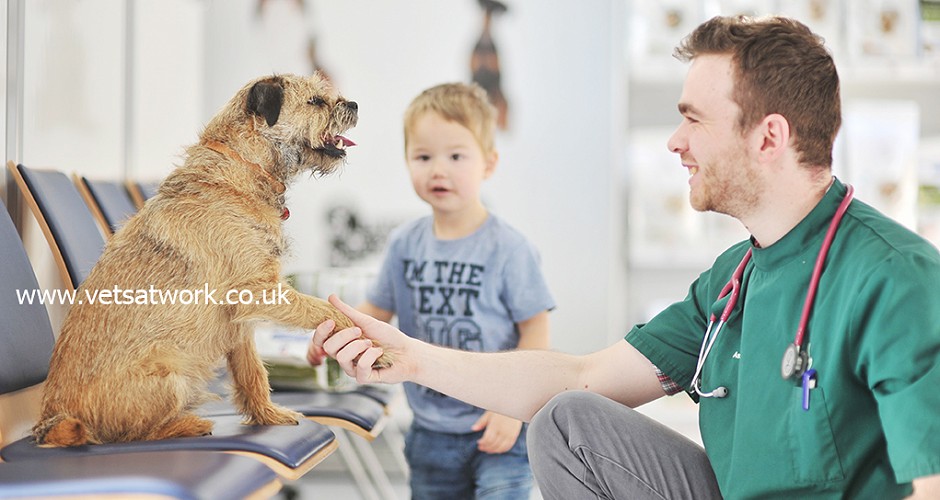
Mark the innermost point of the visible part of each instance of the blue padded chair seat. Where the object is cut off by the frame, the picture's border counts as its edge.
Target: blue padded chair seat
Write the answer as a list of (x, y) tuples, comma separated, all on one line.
[(363, 412), (288, 448), (382, 393), (360, 414), (183, 474)]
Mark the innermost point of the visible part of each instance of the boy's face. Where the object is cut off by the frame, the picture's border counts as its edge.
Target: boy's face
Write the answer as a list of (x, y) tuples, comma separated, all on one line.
[(447, 165)]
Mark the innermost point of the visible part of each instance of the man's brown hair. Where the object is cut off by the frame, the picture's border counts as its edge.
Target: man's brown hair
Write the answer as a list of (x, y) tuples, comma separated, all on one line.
[(782, 67)]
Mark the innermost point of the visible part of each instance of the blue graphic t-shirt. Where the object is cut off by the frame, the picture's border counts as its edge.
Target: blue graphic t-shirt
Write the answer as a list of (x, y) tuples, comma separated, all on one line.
[(465, 294)]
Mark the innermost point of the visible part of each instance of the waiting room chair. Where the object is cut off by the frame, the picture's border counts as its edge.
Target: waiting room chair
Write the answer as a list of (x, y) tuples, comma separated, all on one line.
[(351, 411), (141, 191), (65, 220), (74, 238), (28, 338), (184, 475), (109, 202), (57, 198), (289, 450), (26, 342)]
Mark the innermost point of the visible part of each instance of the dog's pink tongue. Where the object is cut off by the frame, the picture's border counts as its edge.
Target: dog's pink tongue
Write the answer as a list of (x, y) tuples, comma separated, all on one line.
[(346, 142)]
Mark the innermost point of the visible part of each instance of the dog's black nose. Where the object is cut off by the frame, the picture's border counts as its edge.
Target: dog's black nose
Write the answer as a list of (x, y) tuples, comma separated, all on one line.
[(352, 105)]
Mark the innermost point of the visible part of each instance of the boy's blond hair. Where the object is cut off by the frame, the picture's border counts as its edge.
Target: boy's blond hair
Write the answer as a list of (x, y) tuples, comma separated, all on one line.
[(465, 104)]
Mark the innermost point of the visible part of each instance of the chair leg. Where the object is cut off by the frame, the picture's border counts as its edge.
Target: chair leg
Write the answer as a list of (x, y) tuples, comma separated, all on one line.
[(358, 472), (395, 441), (375, 468)]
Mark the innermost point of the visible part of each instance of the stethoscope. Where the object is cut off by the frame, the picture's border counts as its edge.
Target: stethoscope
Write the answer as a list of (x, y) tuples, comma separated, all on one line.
[(795, 363)]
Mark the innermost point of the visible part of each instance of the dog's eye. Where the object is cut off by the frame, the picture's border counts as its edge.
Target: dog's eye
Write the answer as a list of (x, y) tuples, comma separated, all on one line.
[(317, 101)]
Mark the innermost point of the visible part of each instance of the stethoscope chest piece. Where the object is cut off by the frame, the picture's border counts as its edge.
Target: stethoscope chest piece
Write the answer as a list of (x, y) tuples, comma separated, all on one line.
[(794, 362)]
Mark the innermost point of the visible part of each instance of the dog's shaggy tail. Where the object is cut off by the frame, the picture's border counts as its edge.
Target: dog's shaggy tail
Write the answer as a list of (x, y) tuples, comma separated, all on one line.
[(63, 430)]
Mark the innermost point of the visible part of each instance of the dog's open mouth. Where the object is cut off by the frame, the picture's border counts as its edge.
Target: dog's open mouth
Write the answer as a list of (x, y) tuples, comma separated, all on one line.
[(335, 145)]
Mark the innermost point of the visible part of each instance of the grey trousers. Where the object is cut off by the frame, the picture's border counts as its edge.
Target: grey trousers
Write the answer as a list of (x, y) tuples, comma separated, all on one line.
[(585, 446)]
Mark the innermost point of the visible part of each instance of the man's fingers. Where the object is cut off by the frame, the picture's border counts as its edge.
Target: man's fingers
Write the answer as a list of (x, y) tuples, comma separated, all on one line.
[(348, 355), (338, 340), (356, 316), (364, 365), (323, 332)]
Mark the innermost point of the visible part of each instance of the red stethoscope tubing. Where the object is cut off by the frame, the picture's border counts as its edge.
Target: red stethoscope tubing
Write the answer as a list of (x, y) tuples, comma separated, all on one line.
[(820, 262), (734, 284), (734, 288)]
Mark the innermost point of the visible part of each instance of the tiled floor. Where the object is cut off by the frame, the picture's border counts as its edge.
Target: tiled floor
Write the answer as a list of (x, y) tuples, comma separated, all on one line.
[(332, 479)]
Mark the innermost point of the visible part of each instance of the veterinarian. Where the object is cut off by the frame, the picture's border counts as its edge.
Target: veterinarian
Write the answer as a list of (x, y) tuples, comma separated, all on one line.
[(846, 406), (461, 278)]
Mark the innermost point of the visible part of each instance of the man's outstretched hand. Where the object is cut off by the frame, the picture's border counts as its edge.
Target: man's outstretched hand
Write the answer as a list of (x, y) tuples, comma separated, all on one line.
[(356, 349)]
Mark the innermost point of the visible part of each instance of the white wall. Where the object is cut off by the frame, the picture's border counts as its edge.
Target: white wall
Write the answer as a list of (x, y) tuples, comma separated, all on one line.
[(166, 83), (3, 92), (82, 67), (557, 176), (73, 96)]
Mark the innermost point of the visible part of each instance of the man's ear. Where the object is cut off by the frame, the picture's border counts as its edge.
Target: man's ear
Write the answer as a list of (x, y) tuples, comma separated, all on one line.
[(265, 99), (773, 137)]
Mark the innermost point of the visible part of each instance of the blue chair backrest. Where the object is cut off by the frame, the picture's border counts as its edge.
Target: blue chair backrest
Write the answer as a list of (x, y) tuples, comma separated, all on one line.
[(70, 221), (26, 337), (114, 201), (148, 189)]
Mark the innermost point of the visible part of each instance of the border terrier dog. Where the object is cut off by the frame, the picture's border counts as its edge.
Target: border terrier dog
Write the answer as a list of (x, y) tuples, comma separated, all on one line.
[(132, 368)]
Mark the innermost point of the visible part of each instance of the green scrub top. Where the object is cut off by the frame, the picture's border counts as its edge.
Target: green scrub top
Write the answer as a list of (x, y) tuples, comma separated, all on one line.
[(873, 423)]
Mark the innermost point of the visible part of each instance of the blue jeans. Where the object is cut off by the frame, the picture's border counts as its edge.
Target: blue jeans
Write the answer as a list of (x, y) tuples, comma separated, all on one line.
[(449, 466)]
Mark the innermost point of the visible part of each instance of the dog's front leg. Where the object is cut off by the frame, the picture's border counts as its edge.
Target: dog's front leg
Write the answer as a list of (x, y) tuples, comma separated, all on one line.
[(252, 392), (301, 311), (290, 307)]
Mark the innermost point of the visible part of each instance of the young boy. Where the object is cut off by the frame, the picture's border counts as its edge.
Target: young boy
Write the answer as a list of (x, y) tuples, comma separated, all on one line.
[(460, 278)]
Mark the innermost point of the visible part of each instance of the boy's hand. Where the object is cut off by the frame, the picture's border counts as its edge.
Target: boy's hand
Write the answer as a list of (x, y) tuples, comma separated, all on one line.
[(315, 355), (500, 432), (353, 349)]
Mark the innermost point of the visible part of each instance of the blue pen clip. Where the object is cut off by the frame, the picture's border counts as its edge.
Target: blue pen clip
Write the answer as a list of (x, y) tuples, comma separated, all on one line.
[(809, 382)]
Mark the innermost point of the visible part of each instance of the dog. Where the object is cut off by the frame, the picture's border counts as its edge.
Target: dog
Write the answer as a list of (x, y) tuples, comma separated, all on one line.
[(136, 365)]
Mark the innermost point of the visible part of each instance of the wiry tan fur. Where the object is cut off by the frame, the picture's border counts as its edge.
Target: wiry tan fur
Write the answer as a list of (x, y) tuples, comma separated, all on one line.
[(137, 372)]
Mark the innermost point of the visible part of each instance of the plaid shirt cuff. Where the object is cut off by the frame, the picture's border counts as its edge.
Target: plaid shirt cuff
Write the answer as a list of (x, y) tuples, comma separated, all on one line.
[(668, 385)]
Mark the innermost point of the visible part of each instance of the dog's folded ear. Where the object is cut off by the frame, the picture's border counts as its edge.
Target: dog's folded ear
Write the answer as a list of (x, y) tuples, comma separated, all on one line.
[(265, 99)]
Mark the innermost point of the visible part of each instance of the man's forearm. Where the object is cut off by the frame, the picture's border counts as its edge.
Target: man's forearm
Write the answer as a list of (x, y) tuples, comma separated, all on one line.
[(513, 383)]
